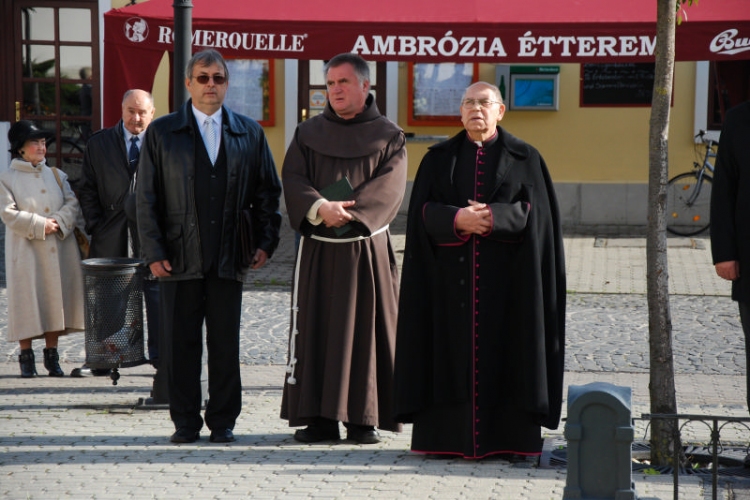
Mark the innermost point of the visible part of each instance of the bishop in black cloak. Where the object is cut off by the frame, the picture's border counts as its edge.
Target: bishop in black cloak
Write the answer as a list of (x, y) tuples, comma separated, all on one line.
[(480, 337)]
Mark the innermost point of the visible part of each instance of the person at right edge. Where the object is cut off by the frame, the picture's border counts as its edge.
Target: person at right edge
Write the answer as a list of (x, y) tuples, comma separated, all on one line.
[(480, 342), (730, 216), (345, 291)]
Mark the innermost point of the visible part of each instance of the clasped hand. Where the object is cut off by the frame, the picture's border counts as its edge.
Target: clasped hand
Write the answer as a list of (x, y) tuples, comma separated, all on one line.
[(475, 218), (51, 226), (334, 213)]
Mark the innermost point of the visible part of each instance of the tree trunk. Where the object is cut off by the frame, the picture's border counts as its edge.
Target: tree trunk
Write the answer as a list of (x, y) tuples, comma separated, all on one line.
[(664, 433)]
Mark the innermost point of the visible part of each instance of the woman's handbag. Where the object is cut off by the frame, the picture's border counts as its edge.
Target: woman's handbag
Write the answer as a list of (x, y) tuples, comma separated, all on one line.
[(83, 243), (81, 239)]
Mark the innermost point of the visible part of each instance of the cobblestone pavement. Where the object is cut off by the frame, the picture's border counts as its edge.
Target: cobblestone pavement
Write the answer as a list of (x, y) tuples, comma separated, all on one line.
[(86, 438)]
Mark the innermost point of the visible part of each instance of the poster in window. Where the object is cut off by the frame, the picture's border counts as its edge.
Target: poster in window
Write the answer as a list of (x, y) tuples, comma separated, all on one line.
[(317, 99), (249, 91), (435, 91)]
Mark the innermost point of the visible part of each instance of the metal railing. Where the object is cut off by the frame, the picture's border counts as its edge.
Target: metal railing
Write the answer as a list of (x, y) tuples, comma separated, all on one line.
[(715, 424)]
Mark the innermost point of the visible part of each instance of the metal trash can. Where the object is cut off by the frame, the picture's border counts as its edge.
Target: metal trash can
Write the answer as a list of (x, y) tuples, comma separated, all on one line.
[(113, 306)]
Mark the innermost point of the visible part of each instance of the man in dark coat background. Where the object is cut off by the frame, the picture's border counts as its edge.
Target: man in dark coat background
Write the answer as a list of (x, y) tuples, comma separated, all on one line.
[(109, 171), (730, 215), (480, 342)]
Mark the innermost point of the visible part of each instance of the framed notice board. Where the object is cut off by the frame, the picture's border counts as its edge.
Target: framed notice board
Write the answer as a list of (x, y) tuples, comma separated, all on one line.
[(250, 91), (617, 84), (534, 88), (435, 91)]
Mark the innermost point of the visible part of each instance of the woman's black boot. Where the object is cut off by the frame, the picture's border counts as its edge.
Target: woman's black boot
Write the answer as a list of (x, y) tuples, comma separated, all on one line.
[(52, 362), (26, 360)]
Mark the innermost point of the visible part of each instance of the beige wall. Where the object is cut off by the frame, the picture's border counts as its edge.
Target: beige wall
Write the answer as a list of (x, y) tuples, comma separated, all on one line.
[(580, 145), (275, 134), (598, 157)]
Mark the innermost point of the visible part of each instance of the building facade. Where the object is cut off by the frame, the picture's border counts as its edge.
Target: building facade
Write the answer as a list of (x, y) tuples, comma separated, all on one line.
[(591, 125)]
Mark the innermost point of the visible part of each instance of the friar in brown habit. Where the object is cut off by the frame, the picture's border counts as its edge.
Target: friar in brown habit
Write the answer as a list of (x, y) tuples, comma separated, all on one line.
[(345, 293)]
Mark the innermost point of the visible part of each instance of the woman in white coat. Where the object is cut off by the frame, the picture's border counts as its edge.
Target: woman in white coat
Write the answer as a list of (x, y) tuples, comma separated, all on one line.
[(42, 260)]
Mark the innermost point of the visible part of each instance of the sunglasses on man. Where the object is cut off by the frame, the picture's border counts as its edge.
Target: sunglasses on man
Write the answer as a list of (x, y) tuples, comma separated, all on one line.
[(218, 79)]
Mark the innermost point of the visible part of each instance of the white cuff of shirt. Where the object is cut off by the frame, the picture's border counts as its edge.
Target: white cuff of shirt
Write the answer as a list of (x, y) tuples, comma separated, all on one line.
[(312, 214)]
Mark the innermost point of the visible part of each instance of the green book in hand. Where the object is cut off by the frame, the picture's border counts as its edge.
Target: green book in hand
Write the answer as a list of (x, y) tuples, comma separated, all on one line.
[(341, 190)]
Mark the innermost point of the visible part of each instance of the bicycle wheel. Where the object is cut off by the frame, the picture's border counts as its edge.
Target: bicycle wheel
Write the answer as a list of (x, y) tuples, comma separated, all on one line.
[(688, 204)]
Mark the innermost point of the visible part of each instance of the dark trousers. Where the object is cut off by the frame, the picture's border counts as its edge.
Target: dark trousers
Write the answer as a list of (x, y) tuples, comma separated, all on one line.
[(745, 320), (185, 306), (151, 296)]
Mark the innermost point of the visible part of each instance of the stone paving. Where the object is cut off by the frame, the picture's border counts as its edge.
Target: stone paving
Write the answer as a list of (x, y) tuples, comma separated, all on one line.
[(86, 438)]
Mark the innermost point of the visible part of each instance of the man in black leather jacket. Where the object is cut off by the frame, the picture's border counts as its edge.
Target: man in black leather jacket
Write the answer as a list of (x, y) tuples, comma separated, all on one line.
[(201, 166)]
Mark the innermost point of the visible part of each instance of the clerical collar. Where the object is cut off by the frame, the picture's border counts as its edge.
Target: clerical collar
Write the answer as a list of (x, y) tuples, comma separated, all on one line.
[(484, 144)]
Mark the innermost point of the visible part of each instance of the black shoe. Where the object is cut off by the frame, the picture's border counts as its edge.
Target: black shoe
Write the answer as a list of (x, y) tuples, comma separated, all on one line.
[(221, 436), (185, 435), (26, 360), (362, 434), (85, 371), (52, 362), (317, 432)]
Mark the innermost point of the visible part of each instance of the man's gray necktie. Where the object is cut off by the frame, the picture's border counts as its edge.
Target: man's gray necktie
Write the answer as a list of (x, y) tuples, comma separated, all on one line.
[(210, 132)]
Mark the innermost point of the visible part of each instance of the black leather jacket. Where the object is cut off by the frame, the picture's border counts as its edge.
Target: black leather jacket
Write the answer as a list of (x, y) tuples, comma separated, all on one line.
[(165, 199)]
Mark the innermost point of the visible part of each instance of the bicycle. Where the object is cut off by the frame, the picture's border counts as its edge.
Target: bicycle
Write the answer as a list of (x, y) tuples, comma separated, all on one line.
[(689, 194), (73, 140)]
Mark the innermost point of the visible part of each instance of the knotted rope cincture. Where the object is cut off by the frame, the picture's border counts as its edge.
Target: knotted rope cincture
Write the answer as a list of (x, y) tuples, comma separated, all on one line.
[(292, 364)]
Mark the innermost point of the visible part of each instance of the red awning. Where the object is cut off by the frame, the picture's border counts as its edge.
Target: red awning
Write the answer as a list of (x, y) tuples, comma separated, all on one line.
[(490, 31)]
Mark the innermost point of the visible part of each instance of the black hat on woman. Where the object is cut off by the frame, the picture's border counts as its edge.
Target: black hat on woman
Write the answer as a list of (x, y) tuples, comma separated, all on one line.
[(22, 131)]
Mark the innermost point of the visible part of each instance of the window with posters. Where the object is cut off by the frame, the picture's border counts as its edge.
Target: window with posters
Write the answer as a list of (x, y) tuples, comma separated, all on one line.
[(250, 89), (435, 91)]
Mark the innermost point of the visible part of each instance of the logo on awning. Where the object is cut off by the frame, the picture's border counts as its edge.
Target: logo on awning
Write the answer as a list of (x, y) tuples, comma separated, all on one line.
[(727, 42), (136, 29)]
